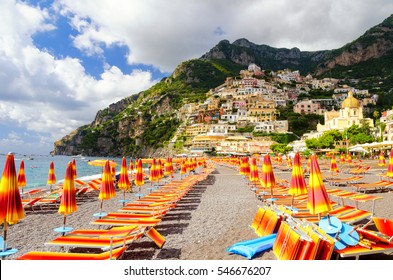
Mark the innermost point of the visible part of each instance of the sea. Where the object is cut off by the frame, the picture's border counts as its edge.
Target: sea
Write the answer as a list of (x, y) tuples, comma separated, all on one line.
[(37, 168)]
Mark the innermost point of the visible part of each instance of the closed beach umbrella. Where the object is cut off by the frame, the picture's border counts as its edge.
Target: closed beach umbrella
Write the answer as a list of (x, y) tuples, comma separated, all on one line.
[(21, 175), (267, 176), (113, 169), (390, 165), (297, 185), (131, 165), (11, 209), (74, 168), (333, 164), (160, 169), (254, 176), (168, 167), (139, 180), (382, 161), (183, 168), (318, 199), (68, 198), (246, 169), (107, 189), (342, 158), (153, 171), (51, 175), (349, 159), (124, 183)]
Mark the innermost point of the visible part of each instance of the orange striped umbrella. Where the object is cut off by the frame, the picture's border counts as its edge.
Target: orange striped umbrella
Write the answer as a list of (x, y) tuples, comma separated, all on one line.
[(349, 159), (333, 164), (153, 171), (342, 158), (131, 165), (390, 165), (382, 161), (297, 185), (246, 167), (11, 209), (68, 197), (139, 180), (160, 169), (267, 177), (74, 168), (124, 180), (107, 189), (183, 168), (254, 176), (113, 169), (21, 175), (318, 199), (51, 175), (289, 161), (168, 170)]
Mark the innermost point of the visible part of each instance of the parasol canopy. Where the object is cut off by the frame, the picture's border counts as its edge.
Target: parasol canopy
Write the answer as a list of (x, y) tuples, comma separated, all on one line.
[(139, 180), (297, 185), (68, 198), (267, 176), (101, 162), (21, 175), (318, 199), (254, 176), (390, 165), (11, 209), (333, 164)]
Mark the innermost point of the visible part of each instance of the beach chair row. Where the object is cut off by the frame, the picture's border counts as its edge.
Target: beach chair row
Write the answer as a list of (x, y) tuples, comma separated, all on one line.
[(125, 227)]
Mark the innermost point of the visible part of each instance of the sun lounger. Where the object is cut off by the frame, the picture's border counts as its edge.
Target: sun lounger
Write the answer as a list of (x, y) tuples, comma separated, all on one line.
[(370, 243), (108, 255), (29, 203), (113, 238), (361, 170), (384, 226), (381, 185), (144, 222), (344, 181)]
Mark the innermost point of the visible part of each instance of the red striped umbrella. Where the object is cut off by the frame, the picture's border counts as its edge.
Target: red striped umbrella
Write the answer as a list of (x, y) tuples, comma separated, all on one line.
[(183, 168), (74, 168), (124, 180), (11, 209), (267, 177), (342, 158), (113, 169), (131, 165), (333, 164), (21, 175), (107, 189), (139, 180), (168, 170), (153, 172), (349, 159), (297, 185), (318, 199), (160, 169), (390, 165), (246, 167), (382, 161), (51, 175), (254, 176), (68, 198)]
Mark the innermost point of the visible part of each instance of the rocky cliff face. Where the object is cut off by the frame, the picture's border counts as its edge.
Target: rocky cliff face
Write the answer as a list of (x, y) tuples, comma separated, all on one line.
[(141, 124)]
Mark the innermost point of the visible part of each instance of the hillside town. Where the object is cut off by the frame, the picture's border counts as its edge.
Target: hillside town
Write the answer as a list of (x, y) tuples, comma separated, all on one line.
[(238, 115)]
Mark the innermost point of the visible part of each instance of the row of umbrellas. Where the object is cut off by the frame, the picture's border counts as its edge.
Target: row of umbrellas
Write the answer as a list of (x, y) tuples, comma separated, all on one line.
[(11, 209)]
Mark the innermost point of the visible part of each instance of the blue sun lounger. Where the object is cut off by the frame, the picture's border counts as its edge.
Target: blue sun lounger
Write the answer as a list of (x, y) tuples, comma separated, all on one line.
[(251, 247)]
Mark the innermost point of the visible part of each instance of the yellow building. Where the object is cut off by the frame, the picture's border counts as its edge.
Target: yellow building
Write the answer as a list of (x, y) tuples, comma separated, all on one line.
[(351, 113)]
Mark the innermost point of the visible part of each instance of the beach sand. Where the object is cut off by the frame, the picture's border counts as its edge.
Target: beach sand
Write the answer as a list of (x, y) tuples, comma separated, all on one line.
[(210, 218)]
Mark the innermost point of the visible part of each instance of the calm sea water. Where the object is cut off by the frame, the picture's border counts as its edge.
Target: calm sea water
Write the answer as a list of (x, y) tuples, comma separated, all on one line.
[(37, 167)]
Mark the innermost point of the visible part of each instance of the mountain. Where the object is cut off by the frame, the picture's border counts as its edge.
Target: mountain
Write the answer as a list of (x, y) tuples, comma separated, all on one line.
[(143, 124)]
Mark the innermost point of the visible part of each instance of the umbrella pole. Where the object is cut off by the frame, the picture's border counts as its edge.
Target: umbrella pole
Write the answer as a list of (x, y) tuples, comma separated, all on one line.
[(64, 223), (101, 206), (5, 236), (124, 198)]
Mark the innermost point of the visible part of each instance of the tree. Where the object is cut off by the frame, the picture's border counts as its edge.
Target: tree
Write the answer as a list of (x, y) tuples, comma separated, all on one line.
[(280, 148)]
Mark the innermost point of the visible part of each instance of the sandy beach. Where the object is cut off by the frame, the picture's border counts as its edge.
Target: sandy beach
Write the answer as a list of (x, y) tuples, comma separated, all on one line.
[(214, 215)]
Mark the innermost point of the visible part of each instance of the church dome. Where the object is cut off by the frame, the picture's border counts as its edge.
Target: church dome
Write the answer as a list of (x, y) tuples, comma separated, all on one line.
[(350, 102)]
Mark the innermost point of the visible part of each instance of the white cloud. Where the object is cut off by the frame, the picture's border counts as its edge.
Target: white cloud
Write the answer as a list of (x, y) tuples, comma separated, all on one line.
[(164, 33), (47, 95)]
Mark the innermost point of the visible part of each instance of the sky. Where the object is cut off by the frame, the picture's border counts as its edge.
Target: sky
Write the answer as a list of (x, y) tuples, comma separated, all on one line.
[(63, 60)]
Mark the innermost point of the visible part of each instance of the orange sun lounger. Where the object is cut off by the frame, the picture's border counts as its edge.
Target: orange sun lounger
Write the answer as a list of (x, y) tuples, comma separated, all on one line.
[(37, 255)]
